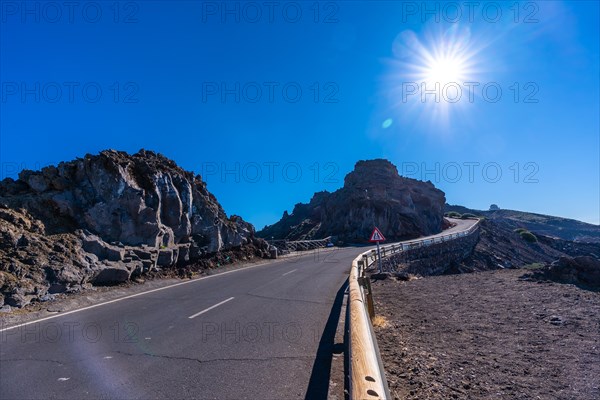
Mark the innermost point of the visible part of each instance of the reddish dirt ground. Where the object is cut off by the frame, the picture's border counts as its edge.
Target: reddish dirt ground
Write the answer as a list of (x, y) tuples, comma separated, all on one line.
[(489, 335)]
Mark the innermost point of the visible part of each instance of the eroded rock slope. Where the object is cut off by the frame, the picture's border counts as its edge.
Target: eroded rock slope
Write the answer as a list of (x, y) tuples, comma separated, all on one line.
[(106, 218)]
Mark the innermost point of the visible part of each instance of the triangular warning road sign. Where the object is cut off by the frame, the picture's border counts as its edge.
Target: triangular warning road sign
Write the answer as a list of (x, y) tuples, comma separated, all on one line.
[(376, 236)]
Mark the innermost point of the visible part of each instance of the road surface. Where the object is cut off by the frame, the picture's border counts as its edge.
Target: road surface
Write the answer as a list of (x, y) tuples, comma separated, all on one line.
[(265, 332), (260, 333)]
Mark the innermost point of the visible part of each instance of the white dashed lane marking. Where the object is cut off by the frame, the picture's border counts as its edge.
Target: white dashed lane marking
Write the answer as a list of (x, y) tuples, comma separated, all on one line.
[(210, 308)]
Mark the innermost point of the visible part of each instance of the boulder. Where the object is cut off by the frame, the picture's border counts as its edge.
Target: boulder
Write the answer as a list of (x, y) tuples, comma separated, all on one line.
[(57, 288), (583, 270), (136, 268), (112, 275), (104, 251), (143, 254), (148, 265), (166, 258), (114, 253), (19, 298), (196, 252), (183, 257)]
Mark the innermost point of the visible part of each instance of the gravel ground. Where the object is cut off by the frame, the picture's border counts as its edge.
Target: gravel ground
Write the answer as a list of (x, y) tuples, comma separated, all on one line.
[(488, 335)]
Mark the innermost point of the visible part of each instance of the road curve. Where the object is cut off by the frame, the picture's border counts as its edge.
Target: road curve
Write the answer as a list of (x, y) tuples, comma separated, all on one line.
[(257, 333)]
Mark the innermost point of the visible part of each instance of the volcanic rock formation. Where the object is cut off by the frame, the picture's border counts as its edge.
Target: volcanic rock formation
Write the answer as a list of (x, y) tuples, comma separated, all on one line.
[(104, 219), (373, 195)]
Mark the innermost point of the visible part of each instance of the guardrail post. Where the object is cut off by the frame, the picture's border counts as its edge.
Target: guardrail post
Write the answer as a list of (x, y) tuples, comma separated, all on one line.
[(365, 283), (370, 304)]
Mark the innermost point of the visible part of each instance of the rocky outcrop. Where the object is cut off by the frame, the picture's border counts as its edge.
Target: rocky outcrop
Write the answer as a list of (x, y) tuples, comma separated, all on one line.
[(373, 195), (136, 200), (105, 219), (582, 271)]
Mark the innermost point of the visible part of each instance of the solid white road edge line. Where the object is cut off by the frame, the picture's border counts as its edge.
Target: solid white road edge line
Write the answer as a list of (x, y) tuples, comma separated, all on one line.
[(136, 295), (210, 308), (141, 293)]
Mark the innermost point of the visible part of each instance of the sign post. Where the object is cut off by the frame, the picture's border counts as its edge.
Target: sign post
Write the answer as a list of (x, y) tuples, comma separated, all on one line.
[(377, 237)]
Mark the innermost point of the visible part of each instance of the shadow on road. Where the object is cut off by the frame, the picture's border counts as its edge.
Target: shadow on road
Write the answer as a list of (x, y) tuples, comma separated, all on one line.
[(318, 385)]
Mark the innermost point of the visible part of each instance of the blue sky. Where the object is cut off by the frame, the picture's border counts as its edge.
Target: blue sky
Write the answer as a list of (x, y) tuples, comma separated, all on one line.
[(272, 103)]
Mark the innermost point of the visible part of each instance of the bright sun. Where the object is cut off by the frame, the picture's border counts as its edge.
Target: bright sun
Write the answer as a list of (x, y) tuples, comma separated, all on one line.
[(445, 69), (435, 75)]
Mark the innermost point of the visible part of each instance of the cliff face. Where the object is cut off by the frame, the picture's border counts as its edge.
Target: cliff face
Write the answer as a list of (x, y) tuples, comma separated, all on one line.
[(140, 199), (373, 195), (105, 219)]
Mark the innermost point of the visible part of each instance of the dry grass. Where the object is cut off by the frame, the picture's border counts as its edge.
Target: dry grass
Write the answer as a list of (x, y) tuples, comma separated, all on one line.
[(379, 321)]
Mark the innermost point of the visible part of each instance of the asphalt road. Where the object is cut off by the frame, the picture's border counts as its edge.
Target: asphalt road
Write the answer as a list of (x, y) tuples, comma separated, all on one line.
[(260, 333), (460, 225), (265, 332)]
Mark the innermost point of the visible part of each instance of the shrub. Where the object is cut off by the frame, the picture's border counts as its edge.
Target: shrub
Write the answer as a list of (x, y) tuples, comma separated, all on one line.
[(468, 215), (533, 266), (519, 230), (453, 214), (528, 236)]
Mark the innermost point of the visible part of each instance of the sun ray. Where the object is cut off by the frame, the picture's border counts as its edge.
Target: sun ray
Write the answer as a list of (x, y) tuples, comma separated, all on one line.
[(437, 61)]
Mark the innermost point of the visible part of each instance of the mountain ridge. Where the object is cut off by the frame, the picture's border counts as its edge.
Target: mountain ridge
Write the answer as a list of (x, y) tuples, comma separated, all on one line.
[(548, 225)]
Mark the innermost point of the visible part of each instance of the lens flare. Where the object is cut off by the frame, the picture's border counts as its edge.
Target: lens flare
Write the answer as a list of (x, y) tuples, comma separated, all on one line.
[(429, 72)]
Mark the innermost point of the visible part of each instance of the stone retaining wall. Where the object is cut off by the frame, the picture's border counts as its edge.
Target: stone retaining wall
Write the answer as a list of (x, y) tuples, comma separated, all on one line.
[(434, 259)]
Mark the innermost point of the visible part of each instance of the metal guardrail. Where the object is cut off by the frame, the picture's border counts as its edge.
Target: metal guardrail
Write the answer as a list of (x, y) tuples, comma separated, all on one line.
[(299, 245), (367, 377), (371, 256)]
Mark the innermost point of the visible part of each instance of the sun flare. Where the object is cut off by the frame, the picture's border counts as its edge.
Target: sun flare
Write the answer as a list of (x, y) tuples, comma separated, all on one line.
[(433, 75), (444, 70)]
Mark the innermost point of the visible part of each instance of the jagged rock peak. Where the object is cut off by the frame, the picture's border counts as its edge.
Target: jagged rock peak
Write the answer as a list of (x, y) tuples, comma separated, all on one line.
[(370, 171), (374, 194)]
